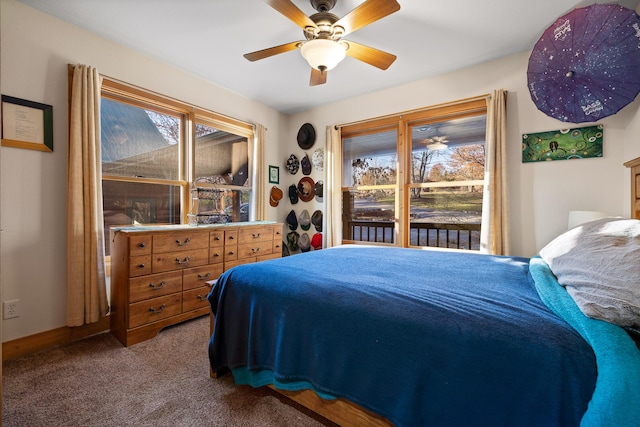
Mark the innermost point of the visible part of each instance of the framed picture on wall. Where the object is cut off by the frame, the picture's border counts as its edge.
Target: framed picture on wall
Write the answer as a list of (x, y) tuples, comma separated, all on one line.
[(563, 144), (274, 175), (26, 124)]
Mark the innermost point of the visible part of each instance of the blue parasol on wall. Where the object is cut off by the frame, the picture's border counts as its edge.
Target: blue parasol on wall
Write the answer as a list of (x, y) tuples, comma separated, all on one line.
[(586, 65)]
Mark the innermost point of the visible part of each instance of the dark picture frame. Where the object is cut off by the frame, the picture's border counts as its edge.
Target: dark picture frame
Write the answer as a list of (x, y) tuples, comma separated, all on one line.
[(27, 124), (274, 175)]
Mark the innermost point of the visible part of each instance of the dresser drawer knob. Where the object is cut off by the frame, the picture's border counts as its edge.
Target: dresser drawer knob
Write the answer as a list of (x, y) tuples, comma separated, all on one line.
[(204, 276), (140, 265), (255, 250), (182, 262), (181, 243), (255, 235), (201, 298), (141, 245), (156, 287), (216, 238), (160, 310), (216, 254)]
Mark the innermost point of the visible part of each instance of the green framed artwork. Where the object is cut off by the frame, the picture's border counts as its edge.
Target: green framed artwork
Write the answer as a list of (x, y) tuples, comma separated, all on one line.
[(564, 144)]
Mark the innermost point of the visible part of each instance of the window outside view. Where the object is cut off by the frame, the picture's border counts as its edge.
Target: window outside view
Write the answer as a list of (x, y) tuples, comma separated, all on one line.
[(445, 185), (221, 186), (141, 167)]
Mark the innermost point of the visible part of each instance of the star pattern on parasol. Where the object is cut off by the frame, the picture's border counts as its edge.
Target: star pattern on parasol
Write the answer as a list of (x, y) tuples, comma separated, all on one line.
[(586, 65)]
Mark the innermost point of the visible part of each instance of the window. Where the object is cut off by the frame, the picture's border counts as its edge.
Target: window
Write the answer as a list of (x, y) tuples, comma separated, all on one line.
[(370, 186), (416, 180), (159, 154)]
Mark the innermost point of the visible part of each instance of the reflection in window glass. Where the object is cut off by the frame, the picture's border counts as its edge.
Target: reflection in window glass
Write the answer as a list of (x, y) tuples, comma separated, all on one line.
[(370, 159), (139, 143), (447, 173), (369, 216), (127, 203), (221, 166), (452, 150), (433, 174), (221, 156)]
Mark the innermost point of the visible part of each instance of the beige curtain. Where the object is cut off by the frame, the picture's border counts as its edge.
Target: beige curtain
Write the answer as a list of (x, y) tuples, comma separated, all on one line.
[(260, 174), (86, 290), (495, 233), (332, 231)]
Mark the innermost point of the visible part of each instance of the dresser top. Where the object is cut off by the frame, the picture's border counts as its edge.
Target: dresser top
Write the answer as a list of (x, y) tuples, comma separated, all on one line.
[(178, 227)]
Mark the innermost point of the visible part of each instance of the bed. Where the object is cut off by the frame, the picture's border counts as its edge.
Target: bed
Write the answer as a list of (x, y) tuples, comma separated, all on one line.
[(406, 337), (483, 347)]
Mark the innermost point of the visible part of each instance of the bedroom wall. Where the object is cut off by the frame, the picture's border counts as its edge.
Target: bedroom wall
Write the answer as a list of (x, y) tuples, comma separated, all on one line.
[(33, 184), (33, 193), (541, 194)]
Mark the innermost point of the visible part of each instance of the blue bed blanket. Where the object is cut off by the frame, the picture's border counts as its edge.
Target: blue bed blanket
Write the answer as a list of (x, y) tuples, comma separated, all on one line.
[(419, 337)]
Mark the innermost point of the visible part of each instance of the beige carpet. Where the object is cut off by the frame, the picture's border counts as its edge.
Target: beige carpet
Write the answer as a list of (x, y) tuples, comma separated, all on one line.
[(161, 382)]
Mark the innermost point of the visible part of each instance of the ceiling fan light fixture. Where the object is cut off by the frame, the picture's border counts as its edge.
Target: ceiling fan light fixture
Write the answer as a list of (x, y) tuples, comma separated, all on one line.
[(323, 54), (437, 143), (437, 146)]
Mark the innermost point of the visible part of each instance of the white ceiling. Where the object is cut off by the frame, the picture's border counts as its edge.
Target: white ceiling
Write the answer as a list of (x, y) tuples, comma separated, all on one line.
[(208, 38)]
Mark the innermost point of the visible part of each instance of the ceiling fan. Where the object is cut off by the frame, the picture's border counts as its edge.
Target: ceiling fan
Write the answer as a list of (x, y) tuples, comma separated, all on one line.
[(437, 143), (324, 48)]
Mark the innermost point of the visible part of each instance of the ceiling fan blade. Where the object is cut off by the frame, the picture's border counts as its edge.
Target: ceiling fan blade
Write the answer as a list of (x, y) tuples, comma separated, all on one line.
[(368, 12), (317, 77), (371, 56), (265, 53), (291, 11)]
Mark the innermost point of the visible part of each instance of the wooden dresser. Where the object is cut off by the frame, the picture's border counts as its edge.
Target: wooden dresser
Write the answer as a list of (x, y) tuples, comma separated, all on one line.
[(159, 273), (634, 165)]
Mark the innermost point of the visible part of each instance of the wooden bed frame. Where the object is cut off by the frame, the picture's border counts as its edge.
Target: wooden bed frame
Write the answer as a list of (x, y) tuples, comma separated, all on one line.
[(345, 413), (634, 165)]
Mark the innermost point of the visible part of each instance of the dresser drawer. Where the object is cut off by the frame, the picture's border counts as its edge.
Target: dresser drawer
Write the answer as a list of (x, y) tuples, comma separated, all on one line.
[(277, 233), (216, 254), (196, 277), (139, 265), (216, 238), (255, 234), (154, 285), (154, 309), (184, 240), (255, 249), (230, 253), (140, 245), (195, 299), (180, 260), (230, 237)]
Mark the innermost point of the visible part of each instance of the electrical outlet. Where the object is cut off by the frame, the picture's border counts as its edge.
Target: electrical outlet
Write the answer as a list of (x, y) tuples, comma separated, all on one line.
[(10, 309)]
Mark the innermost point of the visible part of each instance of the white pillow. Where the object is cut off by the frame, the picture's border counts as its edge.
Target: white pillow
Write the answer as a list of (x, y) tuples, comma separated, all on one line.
[(599, 264)]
